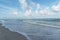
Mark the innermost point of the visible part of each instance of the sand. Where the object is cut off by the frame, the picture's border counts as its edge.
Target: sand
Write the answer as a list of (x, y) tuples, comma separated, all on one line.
[(6, 34)]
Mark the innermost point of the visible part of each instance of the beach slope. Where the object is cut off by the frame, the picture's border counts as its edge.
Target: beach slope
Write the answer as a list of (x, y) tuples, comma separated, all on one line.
[(6, 34)]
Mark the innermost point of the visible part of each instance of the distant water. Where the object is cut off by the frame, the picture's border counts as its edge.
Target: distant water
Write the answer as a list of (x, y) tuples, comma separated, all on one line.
[(35, 32)]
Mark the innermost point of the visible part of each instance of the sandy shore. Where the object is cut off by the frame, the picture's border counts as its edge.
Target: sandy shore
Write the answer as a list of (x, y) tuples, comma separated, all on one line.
[(6, 34)]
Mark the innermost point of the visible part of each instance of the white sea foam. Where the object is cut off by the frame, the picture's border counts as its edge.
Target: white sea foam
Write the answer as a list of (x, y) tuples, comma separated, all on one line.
[(24, 34), (3, 22)]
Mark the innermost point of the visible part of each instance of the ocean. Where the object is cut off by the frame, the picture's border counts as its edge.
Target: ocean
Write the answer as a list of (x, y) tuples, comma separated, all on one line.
[(36, 29)]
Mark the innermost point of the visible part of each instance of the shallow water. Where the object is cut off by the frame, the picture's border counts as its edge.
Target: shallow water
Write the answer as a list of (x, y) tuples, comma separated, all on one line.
[(35, 32)]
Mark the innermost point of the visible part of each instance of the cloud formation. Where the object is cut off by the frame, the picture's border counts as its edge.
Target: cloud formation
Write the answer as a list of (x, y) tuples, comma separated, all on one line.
[(56, 7), (23, 4), (31, 9), (15, 12), (36, 10), (40, 11)]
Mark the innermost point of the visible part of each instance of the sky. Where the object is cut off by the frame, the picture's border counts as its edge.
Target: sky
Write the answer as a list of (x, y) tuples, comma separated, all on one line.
[(29, 9)]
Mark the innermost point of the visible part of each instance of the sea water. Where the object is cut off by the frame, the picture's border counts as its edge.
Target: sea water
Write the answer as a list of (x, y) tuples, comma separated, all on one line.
[(34, 31)]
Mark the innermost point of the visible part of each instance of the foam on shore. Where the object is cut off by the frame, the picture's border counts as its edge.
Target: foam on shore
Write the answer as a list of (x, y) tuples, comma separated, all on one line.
[(6, 34)]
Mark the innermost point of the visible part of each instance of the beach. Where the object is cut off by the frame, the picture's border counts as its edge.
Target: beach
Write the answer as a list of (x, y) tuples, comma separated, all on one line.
[(35, 29), (6, 34)]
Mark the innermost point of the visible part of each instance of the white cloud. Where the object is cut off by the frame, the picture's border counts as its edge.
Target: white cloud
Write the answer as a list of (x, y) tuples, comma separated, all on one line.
[(23, 4), (56, 7), (38, 6), (33, 4), (42, 12), (28, 13), (45, 13), (39, 11), (14, 12)]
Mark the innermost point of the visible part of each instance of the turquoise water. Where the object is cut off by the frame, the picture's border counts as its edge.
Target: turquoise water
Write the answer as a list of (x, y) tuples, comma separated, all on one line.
[(34, 31)]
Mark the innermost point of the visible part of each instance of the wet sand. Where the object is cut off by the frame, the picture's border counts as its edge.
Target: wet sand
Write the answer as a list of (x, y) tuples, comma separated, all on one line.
[(6, 34)]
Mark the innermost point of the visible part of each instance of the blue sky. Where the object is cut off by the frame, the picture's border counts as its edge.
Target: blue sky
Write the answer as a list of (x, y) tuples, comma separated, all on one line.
[(27, 9)]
